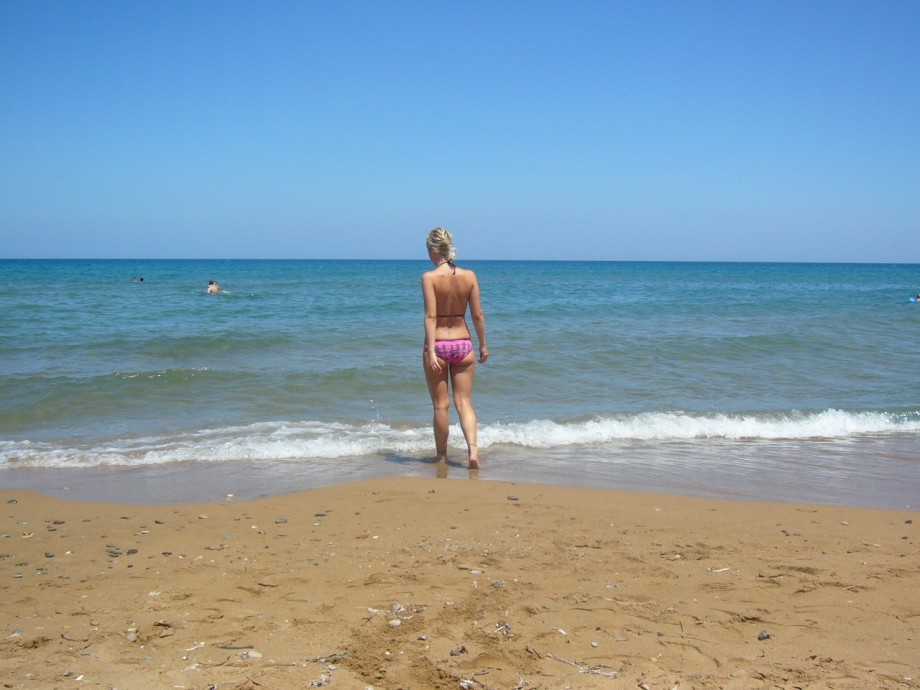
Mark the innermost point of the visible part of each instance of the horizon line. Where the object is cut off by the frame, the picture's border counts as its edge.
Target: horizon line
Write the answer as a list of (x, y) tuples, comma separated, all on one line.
[(424, 260)]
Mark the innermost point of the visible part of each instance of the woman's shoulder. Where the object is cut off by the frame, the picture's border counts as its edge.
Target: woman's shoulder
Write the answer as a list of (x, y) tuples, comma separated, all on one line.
[(465, 274)]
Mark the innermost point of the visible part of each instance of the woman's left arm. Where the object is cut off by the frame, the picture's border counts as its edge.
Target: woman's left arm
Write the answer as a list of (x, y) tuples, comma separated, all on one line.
[(431, 322)]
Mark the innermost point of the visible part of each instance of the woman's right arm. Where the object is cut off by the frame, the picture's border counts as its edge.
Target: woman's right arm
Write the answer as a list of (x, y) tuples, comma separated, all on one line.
[(479, 320)]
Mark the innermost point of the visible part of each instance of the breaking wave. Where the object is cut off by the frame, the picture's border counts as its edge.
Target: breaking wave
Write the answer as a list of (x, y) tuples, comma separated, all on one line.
[(298, 441)]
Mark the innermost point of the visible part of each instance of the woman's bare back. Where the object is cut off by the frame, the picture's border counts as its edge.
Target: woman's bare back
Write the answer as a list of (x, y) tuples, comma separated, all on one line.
[(452, 294)]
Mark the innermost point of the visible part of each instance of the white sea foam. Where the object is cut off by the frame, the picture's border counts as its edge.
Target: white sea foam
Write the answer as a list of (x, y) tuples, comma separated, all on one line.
[(673, 426), (289, 441)]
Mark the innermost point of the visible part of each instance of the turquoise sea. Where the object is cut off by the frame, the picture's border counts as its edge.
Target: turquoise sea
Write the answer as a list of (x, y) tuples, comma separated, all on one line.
[(781, 382)]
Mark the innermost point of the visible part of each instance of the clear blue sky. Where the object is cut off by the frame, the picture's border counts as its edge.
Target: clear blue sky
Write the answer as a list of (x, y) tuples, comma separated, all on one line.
[(743, 130)]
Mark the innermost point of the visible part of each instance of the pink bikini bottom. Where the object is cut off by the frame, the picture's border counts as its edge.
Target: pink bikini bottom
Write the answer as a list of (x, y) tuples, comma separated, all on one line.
[(452, 351)]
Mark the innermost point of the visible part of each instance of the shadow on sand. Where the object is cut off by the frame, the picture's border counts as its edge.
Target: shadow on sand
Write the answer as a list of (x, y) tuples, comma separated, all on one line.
[(442, 466)]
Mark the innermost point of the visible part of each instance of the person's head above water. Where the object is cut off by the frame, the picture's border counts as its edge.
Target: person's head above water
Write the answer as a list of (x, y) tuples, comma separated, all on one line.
[(441, 243)]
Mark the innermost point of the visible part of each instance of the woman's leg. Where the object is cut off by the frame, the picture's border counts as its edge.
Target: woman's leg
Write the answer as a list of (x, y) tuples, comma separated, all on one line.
[(461, 381), (440, 400)]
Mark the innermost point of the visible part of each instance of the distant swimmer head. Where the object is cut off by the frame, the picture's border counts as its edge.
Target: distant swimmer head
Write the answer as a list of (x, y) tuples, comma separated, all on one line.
[(440, 242)]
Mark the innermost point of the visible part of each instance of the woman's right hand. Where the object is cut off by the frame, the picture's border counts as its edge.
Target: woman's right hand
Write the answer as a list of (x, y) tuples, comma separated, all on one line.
[(483, 354)]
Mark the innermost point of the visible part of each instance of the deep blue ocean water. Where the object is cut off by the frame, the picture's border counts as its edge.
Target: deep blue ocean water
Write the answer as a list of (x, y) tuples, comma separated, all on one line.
[(790, 382)]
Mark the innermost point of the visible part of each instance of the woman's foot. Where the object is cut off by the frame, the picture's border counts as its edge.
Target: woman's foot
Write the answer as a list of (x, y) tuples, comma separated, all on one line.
[(441, 467), (474, 457)]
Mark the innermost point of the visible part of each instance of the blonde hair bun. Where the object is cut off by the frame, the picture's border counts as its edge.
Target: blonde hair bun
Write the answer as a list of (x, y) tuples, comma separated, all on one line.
[(442, 242)]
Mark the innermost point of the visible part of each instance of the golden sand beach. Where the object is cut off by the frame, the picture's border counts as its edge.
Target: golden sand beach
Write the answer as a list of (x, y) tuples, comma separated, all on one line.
[(428, 583)]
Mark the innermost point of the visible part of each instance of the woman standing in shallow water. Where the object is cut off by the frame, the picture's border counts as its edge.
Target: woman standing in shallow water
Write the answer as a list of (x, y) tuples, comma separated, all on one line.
[(448, 353)]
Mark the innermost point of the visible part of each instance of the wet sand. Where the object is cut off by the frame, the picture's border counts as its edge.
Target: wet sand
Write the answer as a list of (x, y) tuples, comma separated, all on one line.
[(788, 472), (423, 583)]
